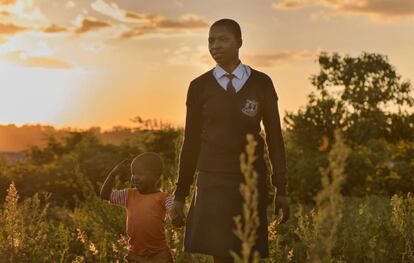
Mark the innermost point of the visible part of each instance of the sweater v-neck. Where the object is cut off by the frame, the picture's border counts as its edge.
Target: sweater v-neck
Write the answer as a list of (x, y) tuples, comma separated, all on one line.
[(240, 90)]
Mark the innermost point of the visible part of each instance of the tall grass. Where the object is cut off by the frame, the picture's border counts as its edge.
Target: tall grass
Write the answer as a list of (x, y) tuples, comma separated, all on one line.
[(248, 223), (318, 229), (403, 220), (376, 229)]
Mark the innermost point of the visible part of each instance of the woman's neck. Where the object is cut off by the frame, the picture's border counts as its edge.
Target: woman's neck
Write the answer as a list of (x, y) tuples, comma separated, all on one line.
[(230, 66)]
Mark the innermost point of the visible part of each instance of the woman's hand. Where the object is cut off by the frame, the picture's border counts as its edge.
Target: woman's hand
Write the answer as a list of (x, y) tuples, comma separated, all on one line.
[(177, 214), (281, 203)]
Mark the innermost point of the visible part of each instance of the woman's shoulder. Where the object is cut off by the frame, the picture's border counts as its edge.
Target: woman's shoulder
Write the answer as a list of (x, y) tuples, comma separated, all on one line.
[(201, 79), (264, 82), (259, 75)]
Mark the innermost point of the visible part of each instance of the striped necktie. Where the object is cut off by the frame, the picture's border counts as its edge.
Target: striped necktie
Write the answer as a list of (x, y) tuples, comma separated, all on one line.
[(230, 88)]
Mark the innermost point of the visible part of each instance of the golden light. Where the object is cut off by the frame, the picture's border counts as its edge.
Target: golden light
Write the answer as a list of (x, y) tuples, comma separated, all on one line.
[(29, 94)]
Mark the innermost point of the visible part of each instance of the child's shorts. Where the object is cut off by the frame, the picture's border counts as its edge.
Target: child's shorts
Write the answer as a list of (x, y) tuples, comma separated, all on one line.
[(163, 256)]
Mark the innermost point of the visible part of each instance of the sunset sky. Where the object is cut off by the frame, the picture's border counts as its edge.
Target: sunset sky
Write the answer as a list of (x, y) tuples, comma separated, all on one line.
[(102, 62)]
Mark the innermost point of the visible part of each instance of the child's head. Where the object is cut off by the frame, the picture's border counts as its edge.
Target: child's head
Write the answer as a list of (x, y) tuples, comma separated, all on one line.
[(146, 170)]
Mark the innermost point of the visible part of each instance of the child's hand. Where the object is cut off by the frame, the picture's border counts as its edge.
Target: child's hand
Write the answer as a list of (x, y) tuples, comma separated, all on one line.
[(177, 214)]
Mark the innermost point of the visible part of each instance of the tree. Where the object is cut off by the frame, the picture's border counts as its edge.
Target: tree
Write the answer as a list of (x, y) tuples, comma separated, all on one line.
[(353, 94)]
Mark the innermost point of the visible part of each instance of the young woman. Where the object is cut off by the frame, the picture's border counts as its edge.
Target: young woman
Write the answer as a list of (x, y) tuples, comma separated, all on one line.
[(223, 105)]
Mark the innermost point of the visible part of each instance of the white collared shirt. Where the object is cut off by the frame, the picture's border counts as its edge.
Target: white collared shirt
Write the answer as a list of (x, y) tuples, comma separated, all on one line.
[(241, 73)]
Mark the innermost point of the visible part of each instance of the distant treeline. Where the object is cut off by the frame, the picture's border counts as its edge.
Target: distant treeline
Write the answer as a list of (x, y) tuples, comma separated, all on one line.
[(18, 138)]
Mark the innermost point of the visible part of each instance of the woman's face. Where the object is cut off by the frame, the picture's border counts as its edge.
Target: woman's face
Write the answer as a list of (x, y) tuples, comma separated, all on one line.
[(223, 45)]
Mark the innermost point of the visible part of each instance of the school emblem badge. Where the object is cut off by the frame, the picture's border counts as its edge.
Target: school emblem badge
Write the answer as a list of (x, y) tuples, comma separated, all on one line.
[(250, 108)]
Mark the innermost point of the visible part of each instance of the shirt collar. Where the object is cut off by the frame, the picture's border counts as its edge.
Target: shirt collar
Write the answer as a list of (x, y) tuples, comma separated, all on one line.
[(238, 71)]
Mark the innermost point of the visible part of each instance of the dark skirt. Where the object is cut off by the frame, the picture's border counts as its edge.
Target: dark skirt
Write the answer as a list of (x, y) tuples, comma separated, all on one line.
[(210, 223)]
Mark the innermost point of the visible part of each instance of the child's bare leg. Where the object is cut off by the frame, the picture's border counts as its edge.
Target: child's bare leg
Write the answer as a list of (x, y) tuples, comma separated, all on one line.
[(223, 260)]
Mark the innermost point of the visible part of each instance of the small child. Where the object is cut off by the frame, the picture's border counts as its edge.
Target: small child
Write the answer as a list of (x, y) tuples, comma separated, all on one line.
[(146, 209)]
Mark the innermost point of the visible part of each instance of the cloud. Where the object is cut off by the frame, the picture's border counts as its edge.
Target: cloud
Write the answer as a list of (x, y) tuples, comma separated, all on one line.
[(323, 15), (46, 62), (112, 10), (185, 22), (22, 9), (70, 4), (54, 29), (269, 60), (88, 24), (182, 54), (147, 23), (137, 31), (82, 25), (376, 9), (292, 4), (7, 2), (20, 58), (136, 16), (11, 29), (5, 13), (166, 26)]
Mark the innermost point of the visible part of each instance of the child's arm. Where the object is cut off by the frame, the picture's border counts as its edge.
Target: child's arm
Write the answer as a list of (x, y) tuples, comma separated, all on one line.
[(169, 203), (177, 221), (109, 182)]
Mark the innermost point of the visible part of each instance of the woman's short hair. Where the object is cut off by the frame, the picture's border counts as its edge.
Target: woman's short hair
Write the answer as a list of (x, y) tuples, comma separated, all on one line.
[(231, 25)]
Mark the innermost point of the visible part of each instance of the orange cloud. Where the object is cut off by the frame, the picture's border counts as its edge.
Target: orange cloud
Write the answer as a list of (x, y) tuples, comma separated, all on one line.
[(377, 9), (113, 11), (46, 62), (292, 4), (54, 29), (190, 21), (269, 60), (165, 26), (132, 15), (19, 58), (11, 29), (91, 24), (7, 2), (137, 31), (148, 23), (23, 9)]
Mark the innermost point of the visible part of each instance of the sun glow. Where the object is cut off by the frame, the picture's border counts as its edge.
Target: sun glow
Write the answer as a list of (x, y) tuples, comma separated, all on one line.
[(30, 94)]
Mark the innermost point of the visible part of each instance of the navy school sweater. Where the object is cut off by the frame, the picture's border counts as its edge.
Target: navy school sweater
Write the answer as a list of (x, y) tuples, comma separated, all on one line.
[(216, 128)]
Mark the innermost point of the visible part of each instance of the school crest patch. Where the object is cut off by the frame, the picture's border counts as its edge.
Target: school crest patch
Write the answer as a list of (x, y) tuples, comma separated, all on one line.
[(250, 108)]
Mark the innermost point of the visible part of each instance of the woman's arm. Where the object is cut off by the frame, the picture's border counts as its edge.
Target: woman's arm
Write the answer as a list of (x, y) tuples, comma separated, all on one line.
[(277, 154), (274, 138), (191, 144)]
